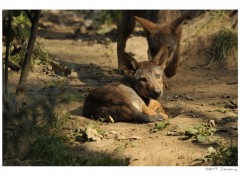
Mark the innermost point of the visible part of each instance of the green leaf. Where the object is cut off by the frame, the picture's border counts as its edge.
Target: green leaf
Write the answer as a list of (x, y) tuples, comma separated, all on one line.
[(201, 139), (191, 132), (213, 129), (161, 125), (197, 126)]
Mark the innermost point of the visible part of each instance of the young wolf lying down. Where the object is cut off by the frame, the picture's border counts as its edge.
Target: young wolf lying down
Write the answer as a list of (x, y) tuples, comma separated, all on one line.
[(134, 97)]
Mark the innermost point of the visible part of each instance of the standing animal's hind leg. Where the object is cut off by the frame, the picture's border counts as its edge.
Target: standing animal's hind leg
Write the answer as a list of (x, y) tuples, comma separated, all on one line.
[(171, 69), (125, 28)]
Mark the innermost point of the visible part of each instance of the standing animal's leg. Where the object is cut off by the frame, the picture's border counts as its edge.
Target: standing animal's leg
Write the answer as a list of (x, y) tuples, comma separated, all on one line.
[(171, 69), (125, 29)]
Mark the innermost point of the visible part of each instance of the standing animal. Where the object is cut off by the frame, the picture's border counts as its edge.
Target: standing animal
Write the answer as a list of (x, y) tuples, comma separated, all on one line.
[(134, 97), (163, 29)]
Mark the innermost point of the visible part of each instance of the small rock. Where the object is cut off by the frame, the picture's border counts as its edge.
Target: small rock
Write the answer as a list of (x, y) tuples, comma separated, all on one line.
[(49, 67), (212, 123), (110, 119), (73, 75), (93, 134), (60, 80), (135, 137), (88, 23), (83, 30), (113, 132), (120, 137), (189, 98)]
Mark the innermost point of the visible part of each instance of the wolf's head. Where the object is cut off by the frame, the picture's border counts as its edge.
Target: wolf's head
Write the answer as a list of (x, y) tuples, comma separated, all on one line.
[(162, 35), (148, 75)]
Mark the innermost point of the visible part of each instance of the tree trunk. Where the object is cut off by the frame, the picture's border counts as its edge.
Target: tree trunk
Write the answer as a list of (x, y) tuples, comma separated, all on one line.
[(5, 83), (27, 60)]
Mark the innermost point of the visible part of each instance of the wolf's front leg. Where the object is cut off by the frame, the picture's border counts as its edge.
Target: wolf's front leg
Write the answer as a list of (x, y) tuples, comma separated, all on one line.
[(155, 106)]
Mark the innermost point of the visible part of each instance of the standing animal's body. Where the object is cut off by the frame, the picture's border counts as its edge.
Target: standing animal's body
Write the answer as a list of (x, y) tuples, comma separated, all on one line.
[(132, 99), (163, 29)]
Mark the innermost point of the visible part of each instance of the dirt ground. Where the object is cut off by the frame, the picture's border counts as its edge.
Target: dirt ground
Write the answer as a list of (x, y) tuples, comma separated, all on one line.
[(198, 93)]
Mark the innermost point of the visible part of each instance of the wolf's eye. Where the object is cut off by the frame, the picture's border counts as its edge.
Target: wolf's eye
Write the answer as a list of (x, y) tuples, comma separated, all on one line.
[(142, 79), (157, 75)]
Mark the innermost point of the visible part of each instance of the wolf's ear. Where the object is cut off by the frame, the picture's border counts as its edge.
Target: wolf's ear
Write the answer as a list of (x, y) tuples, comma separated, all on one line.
[(161, 57), (176, 25), (130, 63), (148, 25)]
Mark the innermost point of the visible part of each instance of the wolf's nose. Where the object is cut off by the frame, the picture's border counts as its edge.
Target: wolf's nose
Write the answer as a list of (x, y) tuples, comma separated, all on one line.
[(157, 93)]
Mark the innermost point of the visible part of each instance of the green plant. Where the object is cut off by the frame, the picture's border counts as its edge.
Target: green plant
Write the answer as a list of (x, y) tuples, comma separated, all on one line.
[(225, 156), (223, 45), (159, 126), (67, 98), (91, 132), (224, 110), (19, 36), (216, 15), (40, 53), (200, 133), (79, 135), (221, 156), (120, 148), (20, 26), (50, 122), (18, 32), (50, 150)]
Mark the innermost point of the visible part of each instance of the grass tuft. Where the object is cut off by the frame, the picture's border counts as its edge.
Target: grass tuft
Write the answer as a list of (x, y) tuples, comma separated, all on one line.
[(50, 150), (100, 159), (223, 45)]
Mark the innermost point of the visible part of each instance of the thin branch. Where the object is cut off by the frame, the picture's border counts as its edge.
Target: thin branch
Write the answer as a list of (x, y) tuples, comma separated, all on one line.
[(29, 15), (12, 66), (27, 60)]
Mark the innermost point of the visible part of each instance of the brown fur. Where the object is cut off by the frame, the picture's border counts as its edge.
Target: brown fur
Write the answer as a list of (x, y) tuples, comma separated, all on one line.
[(132, 99), (163, 29)]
